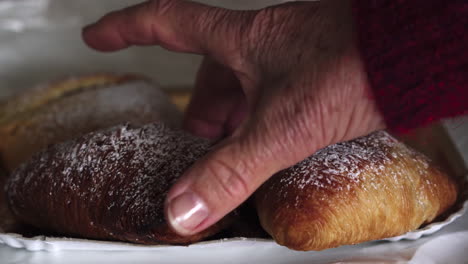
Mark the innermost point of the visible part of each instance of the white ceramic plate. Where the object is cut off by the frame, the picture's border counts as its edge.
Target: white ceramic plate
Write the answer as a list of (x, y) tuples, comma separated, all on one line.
[(45, 243)]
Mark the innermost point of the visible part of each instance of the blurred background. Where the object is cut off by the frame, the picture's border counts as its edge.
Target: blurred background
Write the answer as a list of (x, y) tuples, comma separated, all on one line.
[(40, 40)]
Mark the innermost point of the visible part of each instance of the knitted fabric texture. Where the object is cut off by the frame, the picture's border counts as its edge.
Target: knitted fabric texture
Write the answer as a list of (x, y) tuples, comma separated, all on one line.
[(416, 57)]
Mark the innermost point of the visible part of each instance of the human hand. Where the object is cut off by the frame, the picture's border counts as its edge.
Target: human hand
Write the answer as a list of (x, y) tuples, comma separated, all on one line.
[(281, 82)]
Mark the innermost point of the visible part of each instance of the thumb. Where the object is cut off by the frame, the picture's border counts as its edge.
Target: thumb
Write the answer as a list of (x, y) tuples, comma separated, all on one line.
[(177, 25), (214, 186)]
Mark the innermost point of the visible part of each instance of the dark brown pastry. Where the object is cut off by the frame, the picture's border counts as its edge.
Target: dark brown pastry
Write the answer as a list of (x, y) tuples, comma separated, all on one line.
[(63, 110), (370, 188), (7, 220), (108, 185)]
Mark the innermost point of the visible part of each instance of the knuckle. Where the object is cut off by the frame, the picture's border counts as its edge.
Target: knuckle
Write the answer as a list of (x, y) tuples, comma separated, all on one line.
[(220, 27), (138, 26), (229, 27), (233, 181), (280, 30), (268, 28), (165, 23), (161, 6)]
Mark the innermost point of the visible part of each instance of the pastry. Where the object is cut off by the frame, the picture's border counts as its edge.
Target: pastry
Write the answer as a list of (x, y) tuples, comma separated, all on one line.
[(108, 185), (370, 188), (61, 111), (7, 220)]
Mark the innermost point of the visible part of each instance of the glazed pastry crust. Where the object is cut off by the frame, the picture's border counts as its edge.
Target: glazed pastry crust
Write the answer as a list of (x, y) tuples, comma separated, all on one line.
[(370, 188), (108, 185)]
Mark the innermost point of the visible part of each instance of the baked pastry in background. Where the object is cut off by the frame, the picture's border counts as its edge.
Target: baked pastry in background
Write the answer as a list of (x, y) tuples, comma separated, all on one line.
[(108, 185), (63, 110), (370, 188)]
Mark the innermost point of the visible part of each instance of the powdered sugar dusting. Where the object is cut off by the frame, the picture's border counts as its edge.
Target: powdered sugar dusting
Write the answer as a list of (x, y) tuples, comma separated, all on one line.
[(116, 179), (337, 166)]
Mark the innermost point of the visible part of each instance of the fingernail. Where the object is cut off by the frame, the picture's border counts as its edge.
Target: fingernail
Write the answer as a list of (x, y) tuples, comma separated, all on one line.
[(186, 212)]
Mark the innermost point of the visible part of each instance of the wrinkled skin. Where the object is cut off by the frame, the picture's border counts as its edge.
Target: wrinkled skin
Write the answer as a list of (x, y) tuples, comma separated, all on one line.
[(279, 83)]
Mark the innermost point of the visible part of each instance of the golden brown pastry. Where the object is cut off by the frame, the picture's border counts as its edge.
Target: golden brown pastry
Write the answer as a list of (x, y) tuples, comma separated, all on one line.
[(107, 185), (370, 188), (61, 111)]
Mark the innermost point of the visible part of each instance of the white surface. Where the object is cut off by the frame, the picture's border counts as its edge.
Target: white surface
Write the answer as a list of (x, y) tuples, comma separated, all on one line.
[(43, 243), (458, 128), (442, 248), (447, 243)]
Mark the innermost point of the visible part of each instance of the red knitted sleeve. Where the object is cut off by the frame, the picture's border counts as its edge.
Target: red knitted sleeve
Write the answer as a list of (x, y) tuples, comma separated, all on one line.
[(416, 57)]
